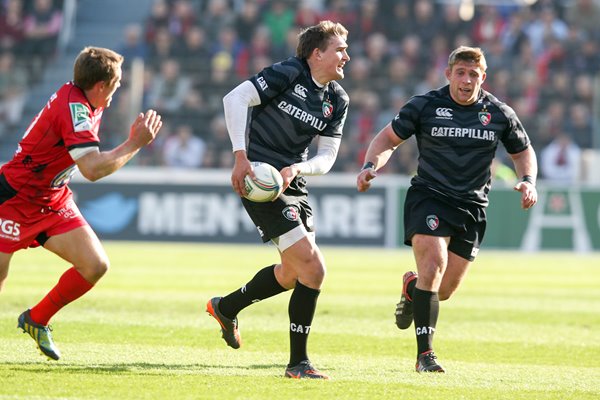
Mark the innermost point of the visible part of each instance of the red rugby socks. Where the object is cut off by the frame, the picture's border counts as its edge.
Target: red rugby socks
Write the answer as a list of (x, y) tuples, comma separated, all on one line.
[(70, 287)]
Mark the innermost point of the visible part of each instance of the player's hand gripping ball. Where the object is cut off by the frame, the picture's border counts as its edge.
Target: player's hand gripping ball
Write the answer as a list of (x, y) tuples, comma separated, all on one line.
[(267, 185)]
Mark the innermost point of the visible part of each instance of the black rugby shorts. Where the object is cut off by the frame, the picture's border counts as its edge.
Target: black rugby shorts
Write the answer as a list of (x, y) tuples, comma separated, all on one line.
[(427, 214), (274, 218)]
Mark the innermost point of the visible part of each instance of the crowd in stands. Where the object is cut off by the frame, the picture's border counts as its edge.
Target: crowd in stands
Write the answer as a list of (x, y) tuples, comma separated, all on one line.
[(542, 60), (29, 32)]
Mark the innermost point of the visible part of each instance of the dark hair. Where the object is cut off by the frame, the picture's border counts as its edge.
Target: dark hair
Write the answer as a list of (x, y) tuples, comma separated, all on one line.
[(96, 64), (317, 37)]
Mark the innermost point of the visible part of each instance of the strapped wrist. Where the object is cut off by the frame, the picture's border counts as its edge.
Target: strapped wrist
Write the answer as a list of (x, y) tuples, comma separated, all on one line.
[(368, 165), (528, 179)]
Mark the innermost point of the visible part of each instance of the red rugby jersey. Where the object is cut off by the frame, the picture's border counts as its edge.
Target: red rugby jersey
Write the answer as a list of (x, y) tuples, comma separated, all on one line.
[(41, 167)]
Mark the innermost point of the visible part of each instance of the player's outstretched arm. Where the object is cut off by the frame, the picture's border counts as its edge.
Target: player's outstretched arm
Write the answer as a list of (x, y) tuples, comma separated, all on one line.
[(379, 152), (96, 164)]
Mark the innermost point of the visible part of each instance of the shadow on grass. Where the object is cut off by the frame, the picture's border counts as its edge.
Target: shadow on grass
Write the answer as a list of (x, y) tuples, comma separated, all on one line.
[(138, 368)]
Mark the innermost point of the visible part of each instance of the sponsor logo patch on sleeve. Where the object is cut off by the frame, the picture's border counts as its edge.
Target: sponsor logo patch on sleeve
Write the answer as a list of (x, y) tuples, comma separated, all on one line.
[(80, 116)]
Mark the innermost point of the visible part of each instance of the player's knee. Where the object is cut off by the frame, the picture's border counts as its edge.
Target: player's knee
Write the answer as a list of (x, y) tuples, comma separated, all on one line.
[(317, 270), (97, 270), (311, 272), (445, 293), (103, 267)]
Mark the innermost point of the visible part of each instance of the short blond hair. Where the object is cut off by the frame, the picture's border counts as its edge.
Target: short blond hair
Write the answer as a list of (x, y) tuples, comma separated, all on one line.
[(469, 54)]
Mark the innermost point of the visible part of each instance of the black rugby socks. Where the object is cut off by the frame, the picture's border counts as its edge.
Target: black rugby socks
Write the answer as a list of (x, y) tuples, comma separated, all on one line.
[(262, 286), (301, 310), (426, 308)]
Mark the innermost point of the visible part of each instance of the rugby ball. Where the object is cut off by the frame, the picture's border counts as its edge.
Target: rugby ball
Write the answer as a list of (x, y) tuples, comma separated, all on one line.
[(266, 186)]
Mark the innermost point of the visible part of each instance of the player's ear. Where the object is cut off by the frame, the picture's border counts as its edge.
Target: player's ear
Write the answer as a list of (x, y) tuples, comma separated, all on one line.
[(317, 53), (100, 86), (448, 72)]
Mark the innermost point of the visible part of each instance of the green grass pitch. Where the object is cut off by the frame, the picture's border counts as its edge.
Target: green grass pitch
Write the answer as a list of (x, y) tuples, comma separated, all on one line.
[(522, 326)]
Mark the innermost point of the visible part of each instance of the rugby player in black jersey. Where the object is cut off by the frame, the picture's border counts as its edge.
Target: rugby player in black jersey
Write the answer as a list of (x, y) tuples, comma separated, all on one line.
[(292, 102), (457, 128)]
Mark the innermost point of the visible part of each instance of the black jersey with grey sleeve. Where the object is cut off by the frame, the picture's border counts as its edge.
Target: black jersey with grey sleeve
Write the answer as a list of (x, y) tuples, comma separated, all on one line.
[(292, 112), (458, 143)]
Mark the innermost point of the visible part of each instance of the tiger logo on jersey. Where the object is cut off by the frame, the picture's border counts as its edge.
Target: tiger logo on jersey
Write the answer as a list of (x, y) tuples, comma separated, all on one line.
[(80, 116), (327, 109), (485, 117)]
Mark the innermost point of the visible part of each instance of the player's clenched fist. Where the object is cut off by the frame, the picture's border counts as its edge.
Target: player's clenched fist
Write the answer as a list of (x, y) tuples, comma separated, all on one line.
[(364, 178)]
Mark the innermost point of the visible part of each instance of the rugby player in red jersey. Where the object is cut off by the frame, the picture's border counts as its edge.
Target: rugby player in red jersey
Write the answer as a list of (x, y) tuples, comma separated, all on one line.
[(36, 205)]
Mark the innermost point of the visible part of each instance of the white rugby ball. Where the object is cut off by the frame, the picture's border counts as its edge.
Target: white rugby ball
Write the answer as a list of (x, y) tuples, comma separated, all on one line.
[(267, 185)]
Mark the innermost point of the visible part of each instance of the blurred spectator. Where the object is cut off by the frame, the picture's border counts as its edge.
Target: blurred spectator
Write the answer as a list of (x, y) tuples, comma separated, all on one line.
[(513, 35), (363, 122), (437, 57), (451, 26), (259, 46), (306, 14), (584, 14), (12, 27), (278, 18), (13, 90), (367, 22), (560, 160), (182, 18), (182, 149), (396, 99), (222, 79), (425, 16), (133, 45), (42, 26), (432, 80), (495, 55), (376, 51), (488, 25), (545, 26), (195, 112), (399, 75), (557, 87), (584, 89), (157, 20), (195, 55), (393, 30), (500, 84), (411, 51), (169, 88), (229, 45), (219, 155), (247, 20), (358, 76), (162, 48), (551, 123), (215, 18), (288, 49), (584, 57), (579, 124), (340, 11)]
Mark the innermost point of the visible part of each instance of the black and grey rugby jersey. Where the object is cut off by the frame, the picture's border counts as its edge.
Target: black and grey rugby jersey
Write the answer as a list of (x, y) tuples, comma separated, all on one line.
[(292, 112), (458, 143)]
